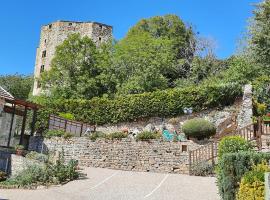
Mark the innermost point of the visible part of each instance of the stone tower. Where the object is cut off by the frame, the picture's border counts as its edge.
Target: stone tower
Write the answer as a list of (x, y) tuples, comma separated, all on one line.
[(55, 33)]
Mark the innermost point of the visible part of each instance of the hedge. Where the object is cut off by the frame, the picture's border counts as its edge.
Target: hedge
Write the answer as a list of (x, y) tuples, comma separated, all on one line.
[(232, 167), (156, 104), (233, 144), (252, 183)]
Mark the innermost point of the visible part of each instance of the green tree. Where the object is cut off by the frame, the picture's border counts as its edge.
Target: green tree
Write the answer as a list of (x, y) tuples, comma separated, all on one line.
[(76, 70), (18, 85), (260, 34), (159, 47)]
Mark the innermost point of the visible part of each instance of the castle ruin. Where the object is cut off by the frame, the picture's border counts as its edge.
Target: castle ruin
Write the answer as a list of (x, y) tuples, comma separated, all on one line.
[(55, 33)]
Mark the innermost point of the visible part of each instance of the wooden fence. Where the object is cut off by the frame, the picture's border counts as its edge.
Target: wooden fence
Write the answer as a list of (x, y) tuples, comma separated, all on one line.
[(75, 128), (208, 153)]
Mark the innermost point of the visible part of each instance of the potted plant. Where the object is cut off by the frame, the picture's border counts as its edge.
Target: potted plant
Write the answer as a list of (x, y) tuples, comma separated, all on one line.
[(19, 150)]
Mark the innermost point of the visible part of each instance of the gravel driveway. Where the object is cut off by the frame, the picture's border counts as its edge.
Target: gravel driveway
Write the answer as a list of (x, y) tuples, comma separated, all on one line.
[(106, 184)]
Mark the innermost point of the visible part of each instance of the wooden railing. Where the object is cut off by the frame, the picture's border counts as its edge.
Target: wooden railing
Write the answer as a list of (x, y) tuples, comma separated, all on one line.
[(227, 126), (203, 154), (208, 152), (70, 126)]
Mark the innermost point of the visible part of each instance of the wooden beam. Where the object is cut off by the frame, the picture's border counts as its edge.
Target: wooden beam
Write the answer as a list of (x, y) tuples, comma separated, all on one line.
[(34, 119), (23, 125), (8, 109)]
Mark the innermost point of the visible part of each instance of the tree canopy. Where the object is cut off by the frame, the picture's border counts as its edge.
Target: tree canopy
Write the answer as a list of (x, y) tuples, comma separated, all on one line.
[(76, 70), (18, 85)]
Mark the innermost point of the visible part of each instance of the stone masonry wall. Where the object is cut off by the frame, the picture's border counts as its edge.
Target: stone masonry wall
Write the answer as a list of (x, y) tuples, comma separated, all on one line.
[(246, 113), (125, 154)]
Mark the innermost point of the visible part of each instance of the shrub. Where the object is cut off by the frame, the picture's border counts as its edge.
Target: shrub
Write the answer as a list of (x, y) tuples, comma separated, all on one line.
[(199, 128), (34, 175), (132, 107), (203, 169), (116, 135), (231, 168), (68, 116), (233, 144), (261, 90), (95, 135), (147, 135), (57, 133), (37, 156), (252, 183)]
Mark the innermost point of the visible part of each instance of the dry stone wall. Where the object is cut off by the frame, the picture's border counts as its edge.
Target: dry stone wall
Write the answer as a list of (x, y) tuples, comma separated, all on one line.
[(246, 113), (125, 154)]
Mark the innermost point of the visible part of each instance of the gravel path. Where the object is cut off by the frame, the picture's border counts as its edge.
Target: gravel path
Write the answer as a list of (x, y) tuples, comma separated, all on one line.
[(106, 184)]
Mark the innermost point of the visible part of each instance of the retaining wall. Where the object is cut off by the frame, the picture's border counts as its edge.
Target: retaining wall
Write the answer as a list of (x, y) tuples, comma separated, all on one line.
[(125, 154)]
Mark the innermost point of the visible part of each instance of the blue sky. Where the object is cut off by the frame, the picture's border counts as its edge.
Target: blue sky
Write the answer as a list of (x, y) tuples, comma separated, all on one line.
[(223, 20)]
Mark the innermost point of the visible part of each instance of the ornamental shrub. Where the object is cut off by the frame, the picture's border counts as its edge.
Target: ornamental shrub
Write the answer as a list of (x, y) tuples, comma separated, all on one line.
[(199, 128), (117, 135), (57, 133), (147, 135), (49, 173), (132, 107), (252, 183), (95, 135), (233, 144), (231, 168)]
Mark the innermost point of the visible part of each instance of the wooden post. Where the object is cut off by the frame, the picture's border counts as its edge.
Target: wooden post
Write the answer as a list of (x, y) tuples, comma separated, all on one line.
[(33, 122), (65, 125), (212, 154), (189, 162), (23, 125), (259, 133), (81, 130), (11, 124)]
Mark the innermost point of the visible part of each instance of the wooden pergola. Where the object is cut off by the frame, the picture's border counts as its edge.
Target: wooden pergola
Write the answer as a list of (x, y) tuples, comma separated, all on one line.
[(20, 108)]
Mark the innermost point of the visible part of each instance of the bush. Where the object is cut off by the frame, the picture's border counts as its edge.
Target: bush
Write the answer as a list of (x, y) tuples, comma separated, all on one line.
[(203, 169), (233, 144), (252, 183), (37, 156), (231, 168), (95, 135), (117, 135), (147, 135), (47, 174), (261, 90), (199, 128), (57, 133), (68, 116), (132, 107)]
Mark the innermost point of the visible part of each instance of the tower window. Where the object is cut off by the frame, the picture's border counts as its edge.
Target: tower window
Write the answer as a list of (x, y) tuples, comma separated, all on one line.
[(43, 54), (99, 38), (100, 26), (45, 41), (50, 26), (41, 68)]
